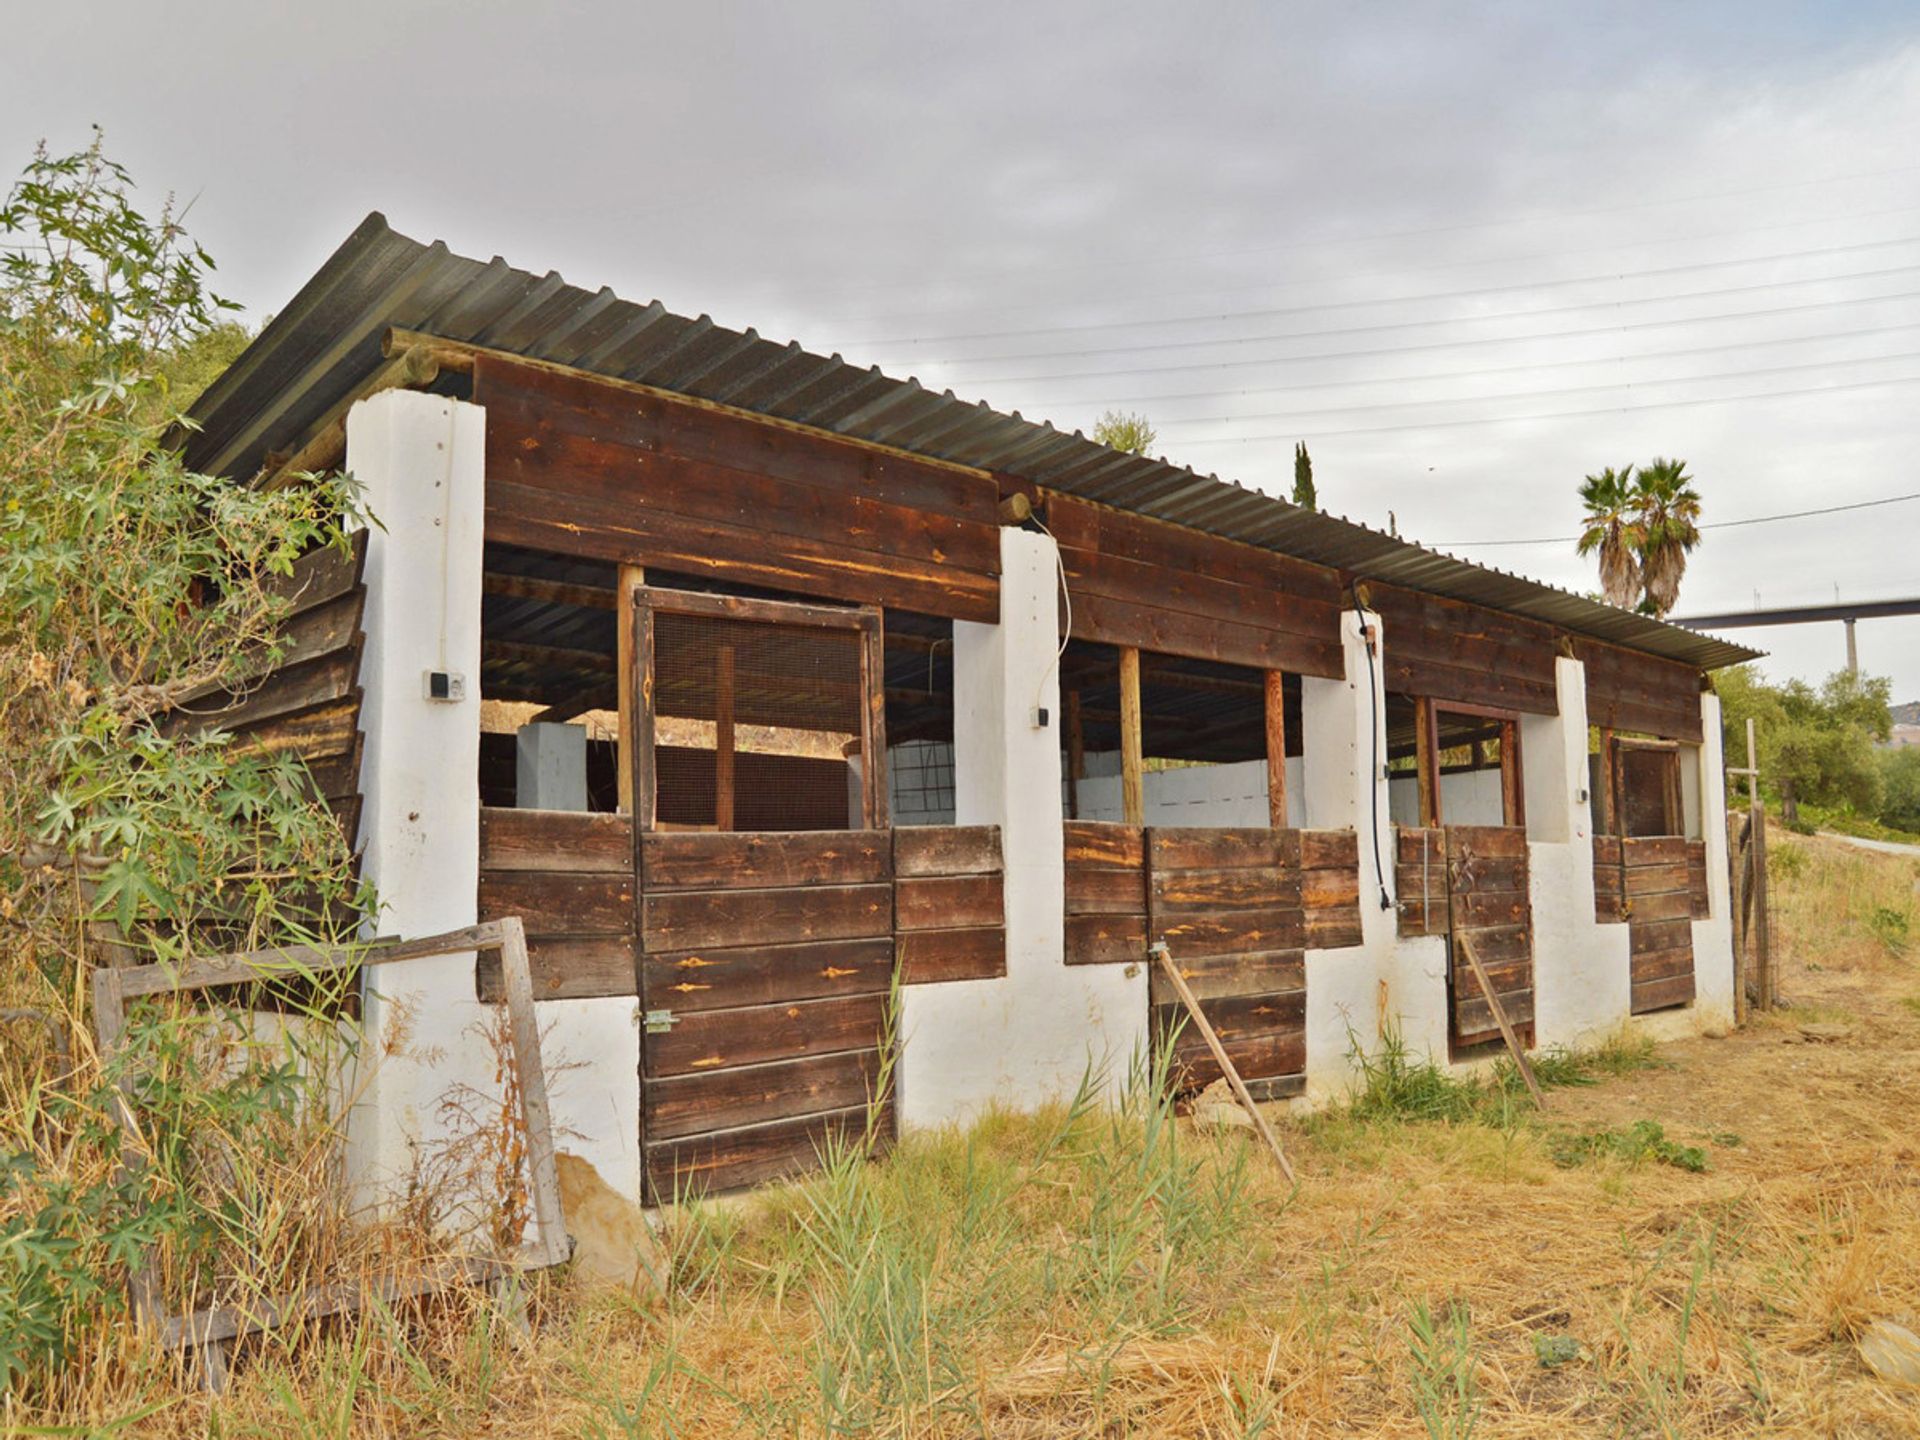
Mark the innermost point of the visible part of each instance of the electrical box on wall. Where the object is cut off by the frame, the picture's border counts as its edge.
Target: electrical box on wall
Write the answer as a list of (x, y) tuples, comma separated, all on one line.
[(447, 685)]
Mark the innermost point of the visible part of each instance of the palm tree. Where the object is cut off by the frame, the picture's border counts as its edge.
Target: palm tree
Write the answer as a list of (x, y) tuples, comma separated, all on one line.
[(1667, 509), (1613, 529)]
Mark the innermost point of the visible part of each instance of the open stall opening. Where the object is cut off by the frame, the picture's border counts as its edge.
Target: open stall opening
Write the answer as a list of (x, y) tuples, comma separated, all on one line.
[(1167, 740)]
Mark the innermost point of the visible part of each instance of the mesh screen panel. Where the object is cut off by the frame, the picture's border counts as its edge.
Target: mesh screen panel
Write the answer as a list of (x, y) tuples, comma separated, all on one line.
[(795, 699)]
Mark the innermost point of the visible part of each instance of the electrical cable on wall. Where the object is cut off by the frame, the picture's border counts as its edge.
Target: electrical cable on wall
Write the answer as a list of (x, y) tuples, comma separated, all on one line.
[(1066, 628), (1375, 723)]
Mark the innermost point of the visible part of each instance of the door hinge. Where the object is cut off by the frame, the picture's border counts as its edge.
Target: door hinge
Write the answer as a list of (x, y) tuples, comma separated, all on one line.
[(658, 1022)]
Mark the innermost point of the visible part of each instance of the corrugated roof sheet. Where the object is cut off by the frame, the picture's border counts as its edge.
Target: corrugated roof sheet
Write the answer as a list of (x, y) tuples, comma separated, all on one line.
[(327, 341)]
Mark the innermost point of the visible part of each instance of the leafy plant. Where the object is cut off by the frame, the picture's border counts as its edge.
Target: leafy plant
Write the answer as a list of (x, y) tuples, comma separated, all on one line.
[(1641, 1141)]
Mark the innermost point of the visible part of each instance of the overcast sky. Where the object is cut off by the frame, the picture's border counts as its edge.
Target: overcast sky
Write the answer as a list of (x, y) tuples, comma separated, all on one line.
[(1386, 229)]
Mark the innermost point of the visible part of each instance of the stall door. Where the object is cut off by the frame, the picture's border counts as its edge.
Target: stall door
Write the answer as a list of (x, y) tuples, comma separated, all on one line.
[(1488, 909)]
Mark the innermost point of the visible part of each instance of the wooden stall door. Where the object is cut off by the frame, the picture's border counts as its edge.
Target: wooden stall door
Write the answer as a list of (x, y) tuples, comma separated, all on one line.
[(1227, 902), (1488, 909), (1647, 882)]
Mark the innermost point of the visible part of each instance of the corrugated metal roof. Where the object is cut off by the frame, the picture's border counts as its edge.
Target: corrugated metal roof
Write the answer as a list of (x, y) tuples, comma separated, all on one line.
[(313, 354)]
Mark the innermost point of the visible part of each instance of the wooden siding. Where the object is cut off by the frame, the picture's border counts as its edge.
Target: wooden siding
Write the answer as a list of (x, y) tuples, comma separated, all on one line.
[(1488, 905), (582, 467), (1174, 591), (949, 903), (569, 876), (1106, 893), (1449, 650), (1330, 888), (309, 703), (773, 954), (1227, 903), (1655, 886), (1420, 879), (1627, 690)]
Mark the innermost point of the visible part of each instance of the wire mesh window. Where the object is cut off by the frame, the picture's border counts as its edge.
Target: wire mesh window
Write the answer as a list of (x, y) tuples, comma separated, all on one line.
[(758, 721)]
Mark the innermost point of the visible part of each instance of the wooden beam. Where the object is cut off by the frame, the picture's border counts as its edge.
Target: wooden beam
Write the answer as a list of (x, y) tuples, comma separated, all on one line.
[(561, 657), (1133, 795), (873, 760), (1277, 749), (1513, 795), (723, 738), (1427, 761), (1606, 796), (1076, 753), (1017, 508), (326, 444), (632, 578), (554, 592)]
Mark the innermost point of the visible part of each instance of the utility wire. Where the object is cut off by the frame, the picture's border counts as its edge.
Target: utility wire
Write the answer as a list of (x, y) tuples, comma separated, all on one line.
[(1556, 414), (1518, 287), (1710, 525), (1740, 345), (1166, 345), (1310, 356), (1608, 388)]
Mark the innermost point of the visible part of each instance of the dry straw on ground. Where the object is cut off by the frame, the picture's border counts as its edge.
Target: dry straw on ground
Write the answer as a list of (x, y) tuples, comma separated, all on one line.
[(1493, 1274)]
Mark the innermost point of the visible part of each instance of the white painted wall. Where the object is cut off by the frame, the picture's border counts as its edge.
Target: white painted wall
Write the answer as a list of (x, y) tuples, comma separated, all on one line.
[(1026, 1038), (420, 459), (1467, 797), (1205, 795)]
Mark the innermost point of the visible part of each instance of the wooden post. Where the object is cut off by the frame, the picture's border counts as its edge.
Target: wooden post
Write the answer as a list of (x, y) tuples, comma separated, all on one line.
[(1427, 761), (1762, 939), (631, 578), (1076, 753), (873, 757), (723, 738), (1513, 794), (1276, 750), (1239, 1087), (1133, 795), (1606, 795)]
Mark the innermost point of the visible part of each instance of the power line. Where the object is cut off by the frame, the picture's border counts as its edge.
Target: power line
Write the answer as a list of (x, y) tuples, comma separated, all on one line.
[(1645, 242), (1741, 345), (1469, 294), (1556, 414), (1164, 345), (1711, 525), (1348, 241), (1766, 314), (1543, 394)]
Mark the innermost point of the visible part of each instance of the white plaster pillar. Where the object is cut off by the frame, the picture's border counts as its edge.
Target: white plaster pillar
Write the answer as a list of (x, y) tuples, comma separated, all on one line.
[(1343, 730), (420, 461), (1027, 1038), (1713, 978), (550, 767), (1582, 988)]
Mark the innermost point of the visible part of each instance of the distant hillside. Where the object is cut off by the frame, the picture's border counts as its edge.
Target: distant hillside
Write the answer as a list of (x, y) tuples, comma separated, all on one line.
[(1907, 714)]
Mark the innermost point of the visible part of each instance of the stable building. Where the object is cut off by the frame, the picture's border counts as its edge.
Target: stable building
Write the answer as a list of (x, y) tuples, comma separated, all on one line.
[(764, 688)]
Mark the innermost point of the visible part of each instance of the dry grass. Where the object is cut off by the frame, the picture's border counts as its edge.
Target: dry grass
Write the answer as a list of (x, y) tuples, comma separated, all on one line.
[(1064, 1275)]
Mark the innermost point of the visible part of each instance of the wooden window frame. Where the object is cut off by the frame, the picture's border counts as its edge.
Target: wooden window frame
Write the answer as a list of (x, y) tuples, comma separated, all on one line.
[(1613, 750), (865, 621), (1513, 802)]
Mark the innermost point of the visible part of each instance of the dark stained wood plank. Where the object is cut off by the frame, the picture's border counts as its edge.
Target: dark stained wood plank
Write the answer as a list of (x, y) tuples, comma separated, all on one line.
[(1485, 874), (512, 839), (726, 978), (945, 902), (719, 1161), (1664, 994), (606, 530), (696, 919), (926, 957), (1101, 842), (1202, 892), (1666, 905), (1329, 850), (1337, 929), (1473, 910), (1330, 889), (945, 850), (1487, 842), (1106, 892), (1106, 939), (1214, 976), (1653, 850), (1085, 525), (565, 968), (1200, 848), (320, 575), (1628, 690), (682, 1105), (559, 902), (332, 626), (287, 691), (749, 1035), (1501, 945), (332, 729), (698, 430), (1474, 1020), (701, 860), (1657, 879), (1108, 621), (1233, 932), (1648, 934)]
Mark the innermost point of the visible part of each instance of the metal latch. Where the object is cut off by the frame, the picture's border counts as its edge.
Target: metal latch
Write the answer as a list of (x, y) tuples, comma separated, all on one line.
[(658, 1022)]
